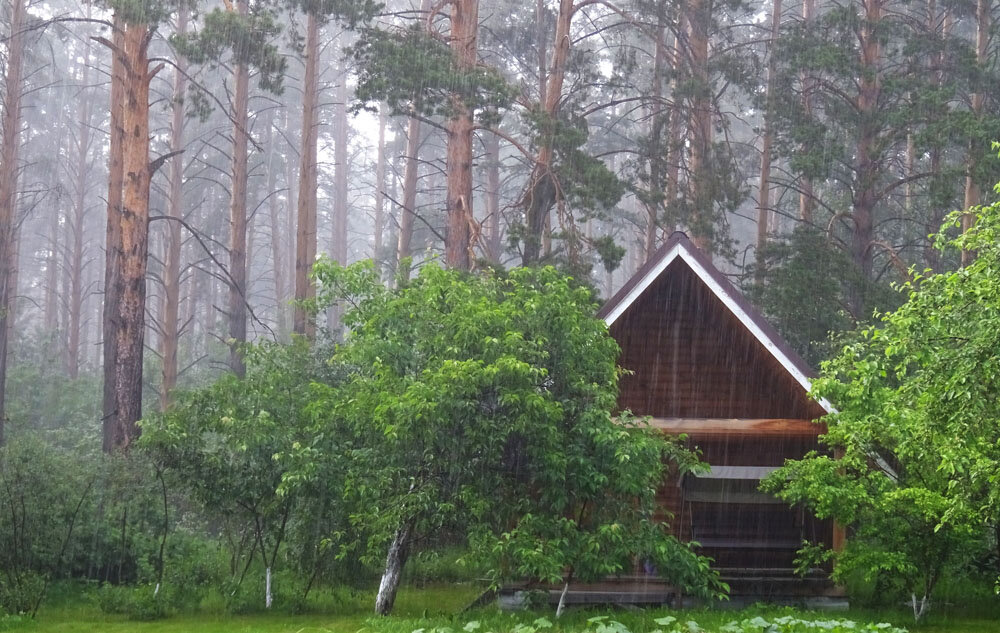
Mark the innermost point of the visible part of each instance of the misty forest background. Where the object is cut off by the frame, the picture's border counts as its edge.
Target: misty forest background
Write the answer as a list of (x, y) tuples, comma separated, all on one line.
[(170, 171)]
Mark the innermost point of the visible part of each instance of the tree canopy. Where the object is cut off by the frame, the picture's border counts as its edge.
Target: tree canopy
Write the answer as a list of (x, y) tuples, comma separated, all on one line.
[(915, 469)]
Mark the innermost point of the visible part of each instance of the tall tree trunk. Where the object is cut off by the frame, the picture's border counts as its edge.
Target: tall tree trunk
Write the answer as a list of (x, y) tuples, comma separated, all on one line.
[(399, 551), (379, 186), (305, 236), (113, 240), (700, 196), (806, 201), (542, 191), (51, 310), (408, 212), (169, 323), (131, 281), (866, 166), (674, 146), (656, 159), (10, 127), (973, 195), (81, 183), (274, 220), (764, 193), (491, 143), (340, 177), (238, 214), (463, 39)]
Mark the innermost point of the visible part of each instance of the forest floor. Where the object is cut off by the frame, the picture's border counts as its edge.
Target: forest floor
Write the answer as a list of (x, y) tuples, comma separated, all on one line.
[(439, 609)]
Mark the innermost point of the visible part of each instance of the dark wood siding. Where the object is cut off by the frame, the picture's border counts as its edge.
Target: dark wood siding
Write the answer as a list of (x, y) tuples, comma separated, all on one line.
[(692, 358)]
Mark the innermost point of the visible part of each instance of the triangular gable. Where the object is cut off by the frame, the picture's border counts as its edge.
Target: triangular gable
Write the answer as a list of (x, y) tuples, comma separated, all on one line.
[(679, 247)]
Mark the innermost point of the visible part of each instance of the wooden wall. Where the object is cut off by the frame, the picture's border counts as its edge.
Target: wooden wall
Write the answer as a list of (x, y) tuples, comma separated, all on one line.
[(692, 358)]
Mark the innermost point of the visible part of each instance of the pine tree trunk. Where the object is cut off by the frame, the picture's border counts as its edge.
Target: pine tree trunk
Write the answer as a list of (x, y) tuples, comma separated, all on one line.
[(131, 281), (407, 213), (700, 127), (543, 191), (274, 220), (463, 39), (113, 240), (379, 186), (169, 324), (494, 248), (764, 193), (52, 278), (10, 127), (866, 167), (674, 128), (305, 237), (973, 195), (340, 178), (806, 201), (81, 182), (238, 214), (399, 551)]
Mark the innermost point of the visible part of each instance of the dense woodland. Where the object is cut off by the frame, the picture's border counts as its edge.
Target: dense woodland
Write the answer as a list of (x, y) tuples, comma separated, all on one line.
[(171, 171)]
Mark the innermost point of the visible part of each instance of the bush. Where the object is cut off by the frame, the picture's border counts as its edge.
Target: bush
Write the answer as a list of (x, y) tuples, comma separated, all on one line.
[(20, 597), (140, 602), (445, 565)]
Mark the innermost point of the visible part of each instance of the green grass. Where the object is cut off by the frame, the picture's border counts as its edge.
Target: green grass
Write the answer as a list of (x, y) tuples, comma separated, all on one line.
[(441, 606)]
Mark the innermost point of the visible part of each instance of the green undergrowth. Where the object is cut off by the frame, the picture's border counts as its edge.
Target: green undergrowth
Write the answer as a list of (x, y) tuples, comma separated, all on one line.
[(440, 609)]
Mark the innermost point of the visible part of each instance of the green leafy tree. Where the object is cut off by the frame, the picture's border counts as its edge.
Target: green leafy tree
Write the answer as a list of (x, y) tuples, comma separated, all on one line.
[(916, 432), (220, 444), (483, 405)]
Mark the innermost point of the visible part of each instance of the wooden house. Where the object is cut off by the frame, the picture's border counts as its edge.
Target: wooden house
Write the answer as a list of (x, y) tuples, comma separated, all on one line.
[(706, 364)]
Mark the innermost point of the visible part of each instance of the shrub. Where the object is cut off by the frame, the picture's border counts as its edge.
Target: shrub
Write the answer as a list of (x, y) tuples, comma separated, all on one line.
[(20, 596), (140, 602)]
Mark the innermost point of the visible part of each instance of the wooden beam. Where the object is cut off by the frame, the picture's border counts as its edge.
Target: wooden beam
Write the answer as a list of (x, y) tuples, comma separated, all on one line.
[(701, 427)]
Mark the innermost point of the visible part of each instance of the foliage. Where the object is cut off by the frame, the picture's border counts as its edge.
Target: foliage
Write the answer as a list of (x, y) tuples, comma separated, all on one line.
[(916, 430), (41, 398), (141, 602), (219, 444), (791, 624), (247, 36), (788, 623), (804, 292), (414, 72), (482, 404)]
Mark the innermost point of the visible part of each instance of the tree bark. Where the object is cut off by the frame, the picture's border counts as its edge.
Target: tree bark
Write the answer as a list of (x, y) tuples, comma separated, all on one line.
[(340, 177), (407, 213), (238, 213), (111, 438), (463, 39), (764, 193), (700, 196), (131, 281), (379, 186), (81, 184), (656, 159), (806, 201), (305, 236), (274, 219), (169, 323), (866, 167), (542, 187), (973, 195), (399, 551), (11, 130), (493, 245)]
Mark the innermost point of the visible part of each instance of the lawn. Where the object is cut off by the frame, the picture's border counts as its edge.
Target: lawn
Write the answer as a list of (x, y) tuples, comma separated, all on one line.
[(441, 608)]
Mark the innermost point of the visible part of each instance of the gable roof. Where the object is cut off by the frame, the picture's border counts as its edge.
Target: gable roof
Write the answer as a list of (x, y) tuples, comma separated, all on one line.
[(679, 247)]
